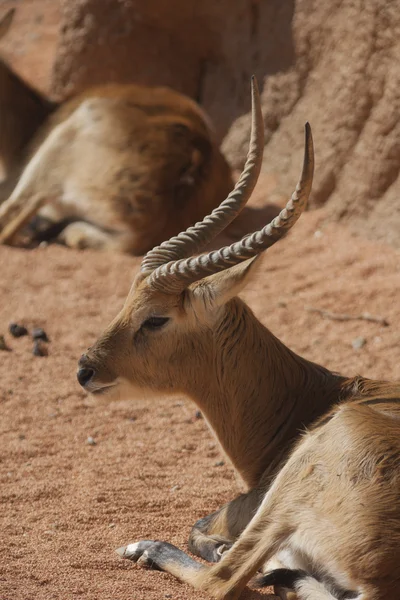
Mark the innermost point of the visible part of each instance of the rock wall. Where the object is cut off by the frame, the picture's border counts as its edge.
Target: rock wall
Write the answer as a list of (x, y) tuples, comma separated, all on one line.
[(345, 80), (206, 49), (335, 64)]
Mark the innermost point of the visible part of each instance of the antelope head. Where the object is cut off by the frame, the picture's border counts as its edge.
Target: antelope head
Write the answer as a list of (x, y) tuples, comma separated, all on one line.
[(177, 302)]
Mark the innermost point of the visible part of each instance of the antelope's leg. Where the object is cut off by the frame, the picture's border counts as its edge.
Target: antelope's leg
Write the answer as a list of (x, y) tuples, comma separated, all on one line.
[(14, 215), (296, 584), (80, 234), (225, 580), (284, 582), (213, 535), (37, 183), (261, 539), (162, 556)]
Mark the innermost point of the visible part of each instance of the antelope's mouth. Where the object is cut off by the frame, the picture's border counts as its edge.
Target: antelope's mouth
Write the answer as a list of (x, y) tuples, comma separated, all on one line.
[(97, 389)]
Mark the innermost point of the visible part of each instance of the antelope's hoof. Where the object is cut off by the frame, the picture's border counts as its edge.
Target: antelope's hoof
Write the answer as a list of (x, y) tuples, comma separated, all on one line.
[(143, 553), (220, 550)]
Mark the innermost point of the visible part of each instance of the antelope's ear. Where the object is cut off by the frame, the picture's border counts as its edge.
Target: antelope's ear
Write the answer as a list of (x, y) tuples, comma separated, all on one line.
[(219, 288), (136, 282)]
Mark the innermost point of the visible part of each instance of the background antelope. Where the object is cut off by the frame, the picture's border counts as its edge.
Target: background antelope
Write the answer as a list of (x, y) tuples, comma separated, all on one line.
[(326, 512), (119, 167)]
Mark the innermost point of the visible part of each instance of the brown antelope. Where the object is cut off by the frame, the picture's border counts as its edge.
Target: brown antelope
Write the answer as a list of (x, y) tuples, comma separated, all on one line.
[(117, 167), (319, 453)]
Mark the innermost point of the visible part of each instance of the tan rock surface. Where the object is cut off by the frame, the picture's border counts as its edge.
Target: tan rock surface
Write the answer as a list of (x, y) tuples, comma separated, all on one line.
[(205, 49), (345, 80)]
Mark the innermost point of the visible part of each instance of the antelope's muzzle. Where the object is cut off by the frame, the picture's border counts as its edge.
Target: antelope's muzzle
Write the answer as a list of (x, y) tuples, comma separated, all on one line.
[(85, 372)]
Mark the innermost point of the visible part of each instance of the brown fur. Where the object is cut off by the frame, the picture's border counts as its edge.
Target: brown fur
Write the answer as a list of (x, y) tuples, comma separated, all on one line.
[(332, 504), (319, 453), (130, 165)]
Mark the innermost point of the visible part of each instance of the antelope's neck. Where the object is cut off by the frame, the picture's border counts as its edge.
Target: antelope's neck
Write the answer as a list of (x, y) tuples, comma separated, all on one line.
[(259, 394)]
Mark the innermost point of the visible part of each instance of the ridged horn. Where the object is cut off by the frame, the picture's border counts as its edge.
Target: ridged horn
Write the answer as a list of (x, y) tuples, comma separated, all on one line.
[(175, 276), (194, 238)]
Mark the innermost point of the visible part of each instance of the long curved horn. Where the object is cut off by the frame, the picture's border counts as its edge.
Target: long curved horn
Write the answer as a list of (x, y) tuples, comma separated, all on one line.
[(194, 238), (175, 276)]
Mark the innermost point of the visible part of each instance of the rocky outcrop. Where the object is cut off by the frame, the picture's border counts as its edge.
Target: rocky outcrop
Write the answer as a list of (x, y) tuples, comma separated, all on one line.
[(205, 49), (345, 79)]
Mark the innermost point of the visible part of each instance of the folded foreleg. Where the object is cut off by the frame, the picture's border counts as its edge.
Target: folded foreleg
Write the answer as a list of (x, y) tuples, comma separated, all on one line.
[(40, 181)]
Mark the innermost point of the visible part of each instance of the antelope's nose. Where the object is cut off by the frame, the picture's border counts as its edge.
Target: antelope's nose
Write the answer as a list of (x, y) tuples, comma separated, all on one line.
[(85, 372), (84, 375)]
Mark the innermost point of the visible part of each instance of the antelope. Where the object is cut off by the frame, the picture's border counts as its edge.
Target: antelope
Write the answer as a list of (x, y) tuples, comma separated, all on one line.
[(319, 452), (118, 167)]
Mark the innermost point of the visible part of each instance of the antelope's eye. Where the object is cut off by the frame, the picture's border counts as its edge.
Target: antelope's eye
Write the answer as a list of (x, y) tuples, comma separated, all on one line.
[(154, 322)]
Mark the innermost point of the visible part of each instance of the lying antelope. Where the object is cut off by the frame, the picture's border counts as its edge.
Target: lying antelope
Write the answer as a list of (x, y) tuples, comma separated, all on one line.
[(323, 506), (118, 167)]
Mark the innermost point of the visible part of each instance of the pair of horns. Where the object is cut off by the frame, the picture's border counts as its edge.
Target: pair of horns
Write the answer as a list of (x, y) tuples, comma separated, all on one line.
[(172, 266)]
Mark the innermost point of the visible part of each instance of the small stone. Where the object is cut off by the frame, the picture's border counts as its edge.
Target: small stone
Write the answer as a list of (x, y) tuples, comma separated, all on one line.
[(220, 463), (111, 525), (17, 330), (318, 234), (358, 343), (175, 488), (39, 334), (39, 348), (91, 441), (3, 344)]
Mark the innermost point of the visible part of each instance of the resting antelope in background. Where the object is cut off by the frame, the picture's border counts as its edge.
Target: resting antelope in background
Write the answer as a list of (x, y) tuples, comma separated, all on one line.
[(118, 167), (322, 513)]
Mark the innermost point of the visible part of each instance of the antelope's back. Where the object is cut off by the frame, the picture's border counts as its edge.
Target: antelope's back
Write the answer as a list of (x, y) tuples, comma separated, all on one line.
[(383, 396), (150, 152)]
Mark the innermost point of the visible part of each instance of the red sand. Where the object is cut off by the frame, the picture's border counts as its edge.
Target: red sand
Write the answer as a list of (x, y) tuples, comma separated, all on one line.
[(66, 505)]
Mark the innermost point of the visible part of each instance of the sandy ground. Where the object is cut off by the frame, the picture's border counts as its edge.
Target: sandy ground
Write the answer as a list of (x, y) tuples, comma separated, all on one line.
[(154, 468), (66, 504)]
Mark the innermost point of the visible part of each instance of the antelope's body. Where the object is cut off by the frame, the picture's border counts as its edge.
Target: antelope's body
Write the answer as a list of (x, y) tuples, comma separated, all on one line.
[(117, 167), (319, 452)]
